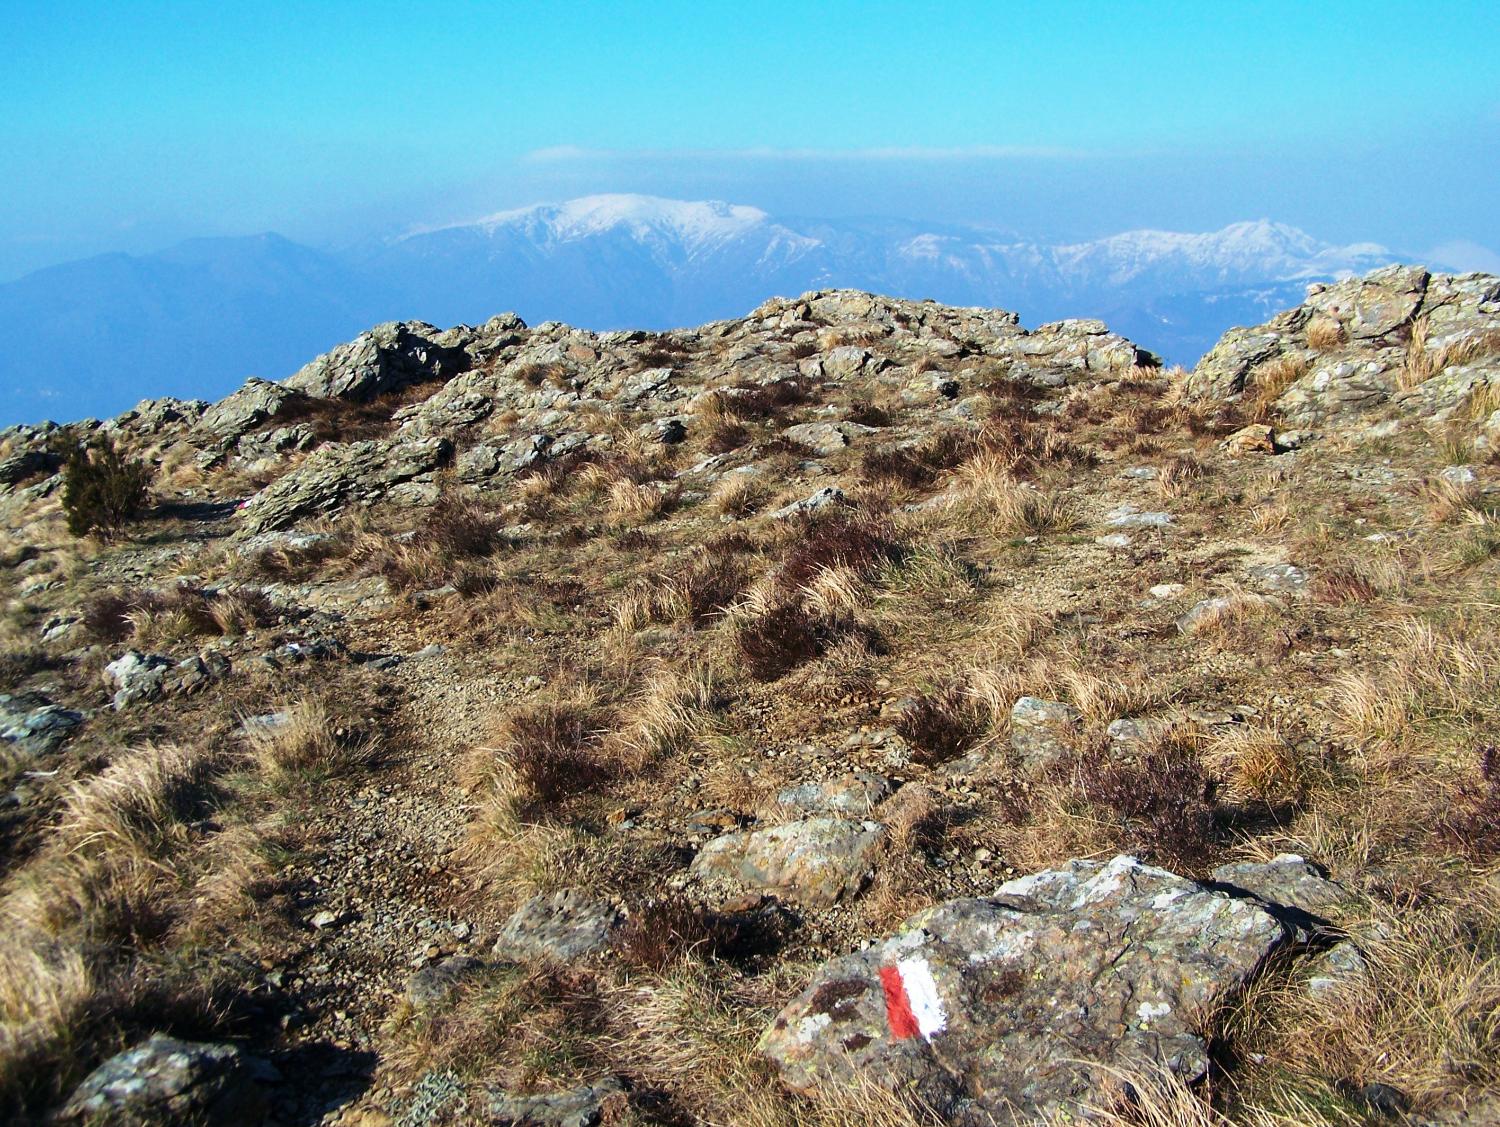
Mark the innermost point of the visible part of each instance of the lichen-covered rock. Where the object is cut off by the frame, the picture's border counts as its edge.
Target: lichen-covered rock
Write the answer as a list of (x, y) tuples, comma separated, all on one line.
[(1369, 331), (240, 412), (434, 985), (1287, 880), (1031, 1003), (137, 677), (386, 358), (816, 862), (342, 474), (164, 1082), (559, 928)]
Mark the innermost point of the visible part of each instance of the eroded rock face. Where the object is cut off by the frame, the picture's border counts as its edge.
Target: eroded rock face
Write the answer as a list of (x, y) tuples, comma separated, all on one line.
[(816, 862), (341, 474), (1016, 1007), (31, 725), (242, 411), (1042, 731), (164, 1082)]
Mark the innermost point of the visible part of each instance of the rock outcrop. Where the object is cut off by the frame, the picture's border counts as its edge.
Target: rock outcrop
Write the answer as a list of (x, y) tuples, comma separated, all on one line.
[(1033, 1002), (164, 1082), (1423, 343)]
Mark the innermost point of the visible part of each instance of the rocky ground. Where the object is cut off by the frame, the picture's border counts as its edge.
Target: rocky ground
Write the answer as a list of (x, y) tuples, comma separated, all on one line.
[(863, 711)]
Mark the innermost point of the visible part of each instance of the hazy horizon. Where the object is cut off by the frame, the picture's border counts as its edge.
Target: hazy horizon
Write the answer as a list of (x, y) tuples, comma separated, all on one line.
[(132, 129)]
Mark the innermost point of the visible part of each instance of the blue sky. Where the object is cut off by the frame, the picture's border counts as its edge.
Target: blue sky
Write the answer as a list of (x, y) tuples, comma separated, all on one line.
[(129, 126)]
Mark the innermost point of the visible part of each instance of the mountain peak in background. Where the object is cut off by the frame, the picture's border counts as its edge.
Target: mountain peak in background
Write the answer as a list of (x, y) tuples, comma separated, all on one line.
[(96, 335)]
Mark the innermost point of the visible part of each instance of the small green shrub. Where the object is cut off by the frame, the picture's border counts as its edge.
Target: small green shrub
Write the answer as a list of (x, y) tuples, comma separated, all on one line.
[(102, 489)]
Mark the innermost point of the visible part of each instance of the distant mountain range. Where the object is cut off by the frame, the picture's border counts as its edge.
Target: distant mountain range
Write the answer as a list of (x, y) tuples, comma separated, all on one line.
[(93, 337)]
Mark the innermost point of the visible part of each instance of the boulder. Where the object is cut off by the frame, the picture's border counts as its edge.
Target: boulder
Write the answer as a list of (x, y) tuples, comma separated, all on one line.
[(817, 861), (240, 412), (136, 677), (164, 1082), (1031, 1003), (827, 497), (1287, 881), (434, 985), (857, 793), (557, 928), (341, 474)]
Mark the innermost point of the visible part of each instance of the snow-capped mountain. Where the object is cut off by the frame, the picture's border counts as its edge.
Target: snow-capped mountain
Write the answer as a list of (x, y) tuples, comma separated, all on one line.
[(95, 336)]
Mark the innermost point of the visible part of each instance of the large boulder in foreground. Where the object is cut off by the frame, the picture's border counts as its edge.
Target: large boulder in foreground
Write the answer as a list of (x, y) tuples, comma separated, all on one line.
[(164, 1082), (1034, 1002)]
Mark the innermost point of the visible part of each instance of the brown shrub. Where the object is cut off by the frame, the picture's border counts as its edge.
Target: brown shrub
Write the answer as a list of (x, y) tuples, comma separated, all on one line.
[(661, 933), (551, 753), (858, 542), (765, 401), (868, 414), (919, 466), (726, 434), (940, 725), (1167, 800), (780, 638), (1473, 825)]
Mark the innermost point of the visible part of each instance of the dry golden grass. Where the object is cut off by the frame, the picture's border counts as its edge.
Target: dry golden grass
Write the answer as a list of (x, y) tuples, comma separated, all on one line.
[(1270, 380), (1434, 675), (738, 495), (1324, 333), (985, 491), (1424, 1019), (633, 503), (304, 742), (671, 711), (1424, 361)]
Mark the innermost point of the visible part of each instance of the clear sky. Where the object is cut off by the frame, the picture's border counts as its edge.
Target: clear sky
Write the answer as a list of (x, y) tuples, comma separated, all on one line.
[(129, 125)]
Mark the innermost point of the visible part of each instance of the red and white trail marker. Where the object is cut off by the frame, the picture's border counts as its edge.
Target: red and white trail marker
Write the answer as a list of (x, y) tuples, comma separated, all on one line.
[(912, 1005)]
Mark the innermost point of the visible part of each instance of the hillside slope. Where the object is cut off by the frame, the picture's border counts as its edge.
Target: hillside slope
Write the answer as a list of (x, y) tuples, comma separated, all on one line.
[(860, 711)]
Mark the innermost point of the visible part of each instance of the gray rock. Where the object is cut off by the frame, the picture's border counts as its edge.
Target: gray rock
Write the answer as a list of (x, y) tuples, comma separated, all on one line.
[(434, 985), (1287, 881), (856, 793), (816, 862), (137, 677), (1279, 577), (825, 438), (240, 412), (1027, 1005), (1042, 731), (338, 475), (1202, 611), (386, 358), (1341, 966), (27, 463), (828, 496), (164, 1082), (1128, 516), (584, 1106), (31, 725), (559, 928)]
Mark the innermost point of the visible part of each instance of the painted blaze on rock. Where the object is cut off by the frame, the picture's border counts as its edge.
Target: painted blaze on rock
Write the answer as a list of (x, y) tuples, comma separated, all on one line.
[(1003, 1009)]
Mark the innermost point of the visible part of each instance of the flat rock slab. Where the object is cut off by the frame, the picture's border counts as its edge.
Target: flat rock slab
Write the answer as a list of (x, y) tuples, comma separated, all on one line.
[(817, 861), (432, 986), (1287, 881), (1042, 731), (1016, 1007), (856, 793), (583, 1106), (164, 1082), (559, 928), (31, 725)]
